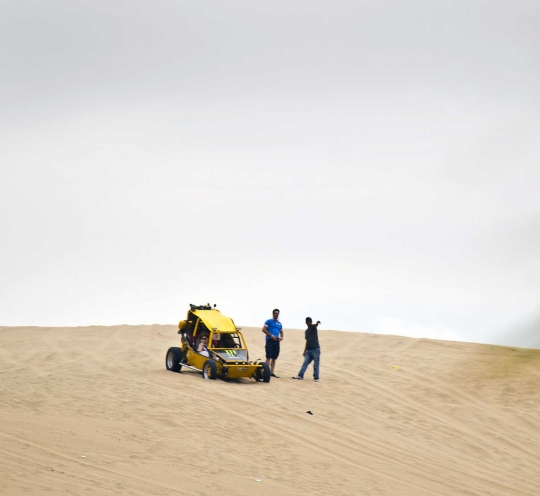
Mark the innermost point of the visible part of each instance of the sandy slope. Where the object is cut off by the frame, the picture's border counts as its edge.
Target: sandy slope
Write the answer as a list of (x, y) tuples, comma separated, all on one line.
[(452, 419)]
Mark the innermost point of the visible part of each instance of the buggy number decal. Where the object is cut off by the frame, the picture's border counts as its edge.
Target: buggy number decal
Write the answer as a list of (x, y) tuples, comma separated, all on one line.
[(231, 352)]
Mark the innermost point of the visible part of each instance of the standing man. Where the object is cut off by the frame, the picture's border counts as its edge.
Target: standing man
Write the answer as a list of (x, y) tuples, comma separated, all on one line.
[(274, 335), (312, 351)]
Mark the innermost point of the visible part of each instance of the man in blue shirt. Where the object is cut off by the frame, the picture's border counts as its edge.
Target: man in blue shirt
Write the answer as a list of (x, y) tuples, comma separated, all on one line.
[(274, 335)]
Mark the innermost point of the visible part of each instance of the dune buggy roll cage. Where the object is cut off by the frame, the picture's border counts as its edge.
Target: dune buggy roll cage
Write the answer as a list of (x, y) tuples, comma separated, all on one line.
[(201, 307)]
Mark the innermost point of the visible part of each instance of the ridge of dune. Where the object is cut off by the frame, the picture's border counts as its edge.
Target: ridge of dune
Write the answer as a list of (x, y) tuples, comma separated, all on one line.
[(92, 410)]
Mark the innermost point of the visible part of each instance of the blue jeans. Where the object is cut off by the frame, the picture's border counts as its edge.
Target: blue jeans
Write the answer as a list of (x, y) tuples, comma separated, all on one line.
[(311, 356)]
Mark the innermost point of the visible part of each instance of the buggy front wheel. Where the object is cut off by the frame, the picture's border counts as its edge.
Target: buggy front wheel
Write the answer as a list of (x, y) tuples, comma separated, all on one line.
[(209, 370), (263, 374)]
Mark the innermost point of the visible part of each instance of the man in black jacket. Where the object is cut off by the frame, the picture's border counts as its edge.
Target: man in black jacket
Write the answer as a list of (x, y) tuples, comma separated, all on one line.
[(312, 351)]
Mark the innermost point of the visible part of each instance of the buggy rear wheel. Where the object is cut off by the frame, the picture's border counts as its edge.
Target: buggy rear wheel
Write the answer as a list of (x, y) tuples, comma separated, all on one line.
[(209, 370), (173, 358)]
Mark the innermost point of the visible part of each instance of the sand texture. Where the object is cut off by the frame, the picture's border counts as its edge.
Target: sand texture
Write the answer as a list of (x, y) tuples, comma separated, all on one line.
[(93, 411)]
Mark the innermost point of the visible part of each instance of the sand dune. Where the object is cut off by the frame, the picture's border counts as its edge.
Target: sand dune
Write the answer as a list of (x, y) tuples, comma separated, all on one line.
[(92, 410)]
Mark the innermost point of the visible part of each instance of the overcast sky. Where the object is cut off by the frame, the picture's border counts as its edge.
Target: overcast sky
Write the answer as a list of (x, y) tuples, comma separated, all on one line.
[(372, 164)]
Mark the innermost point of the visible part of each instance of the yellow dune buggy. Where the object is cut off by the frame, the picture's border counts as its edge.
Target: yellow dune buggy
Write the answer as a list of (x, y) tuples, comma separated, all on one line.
[(214, 346)]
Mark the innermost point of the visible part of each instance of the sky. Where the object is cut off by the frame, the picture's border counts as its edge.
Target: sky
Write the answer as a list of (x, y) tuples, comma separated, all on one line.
[(371, 164)]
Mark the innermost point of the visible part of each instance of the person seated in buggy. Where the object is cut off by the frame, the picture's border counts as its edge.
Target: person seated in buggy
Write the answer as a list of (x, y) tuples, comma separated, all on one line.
[(203, 350), (227, 341), (203, 346)]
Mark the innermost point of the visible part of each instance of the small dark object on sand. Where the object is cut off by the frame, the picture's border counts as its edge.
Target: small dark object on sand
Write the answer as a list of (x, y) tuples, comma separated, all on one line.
[(309, 411)]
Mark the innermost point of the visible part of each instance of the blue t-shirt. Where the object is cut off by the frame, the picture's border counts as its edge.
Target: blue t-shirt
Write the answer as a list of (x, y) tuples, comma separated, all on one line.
[(273, 328)]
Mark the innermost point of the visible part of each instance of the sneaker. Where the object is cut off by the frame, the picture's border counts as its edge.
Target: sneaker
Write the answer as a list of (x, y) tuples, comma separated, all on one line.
[(298, 377), (316, 380), (274, 375)]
